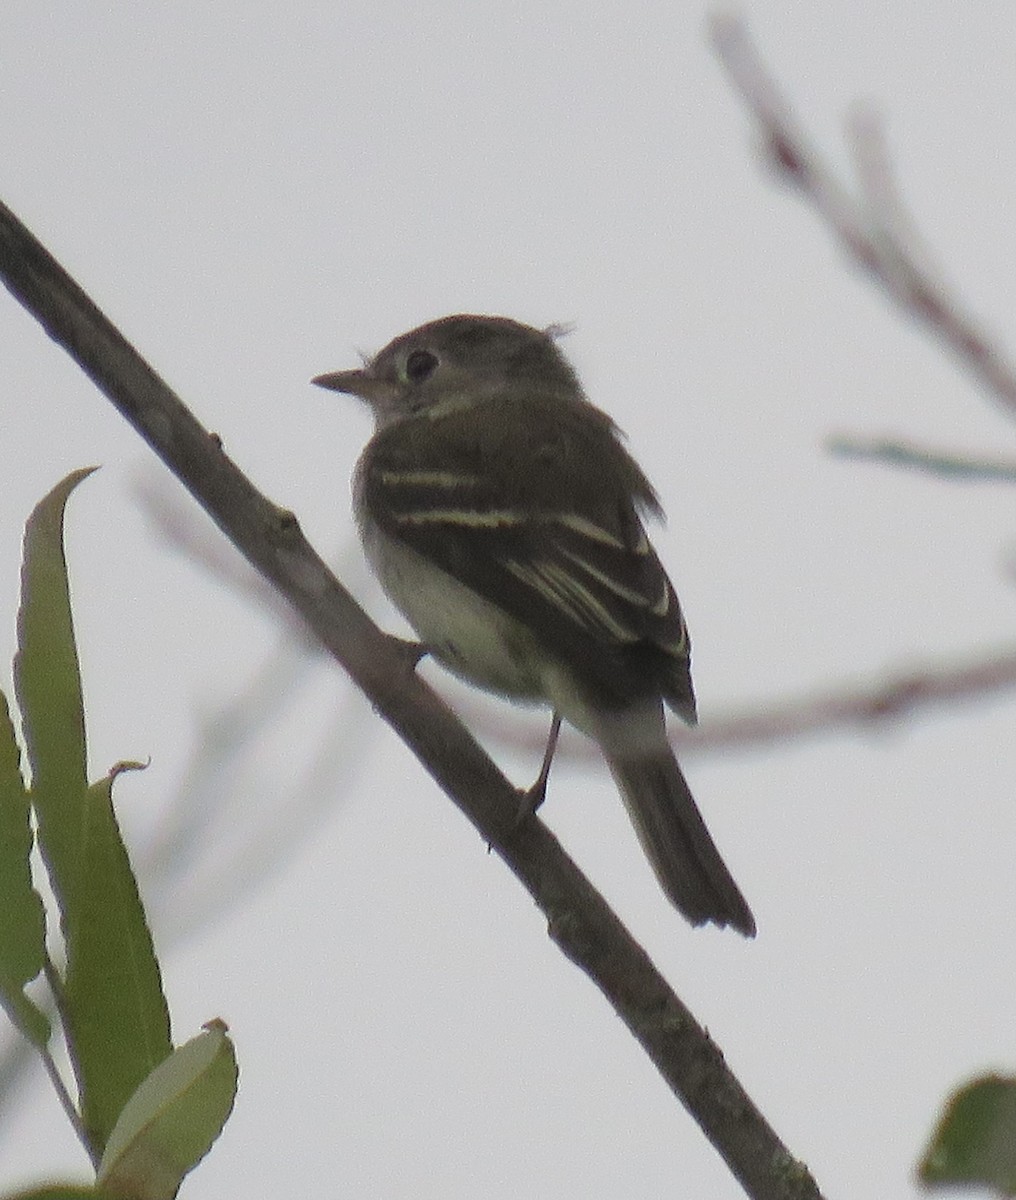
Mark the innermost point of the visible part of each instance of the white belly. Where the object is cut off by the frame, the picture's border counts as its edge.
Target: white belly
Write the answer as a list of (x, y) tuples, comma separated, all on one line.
[(466, 633)]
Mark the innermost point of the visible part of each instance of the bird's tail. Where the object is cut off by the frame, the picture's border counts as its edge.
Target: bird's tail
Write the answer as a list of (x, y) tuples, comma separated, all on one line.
[(676, 841)]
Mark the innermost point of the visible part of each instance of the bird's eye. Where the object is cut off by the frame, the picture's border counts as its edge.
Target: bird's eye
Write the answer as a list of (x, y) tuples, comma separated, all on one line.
[(420, 365)]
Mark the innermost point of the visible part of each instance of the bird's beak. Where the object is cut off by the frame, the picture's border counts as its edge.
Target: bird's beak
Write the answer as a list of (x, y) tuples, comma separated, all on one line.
[(379, 393), (353, 383)]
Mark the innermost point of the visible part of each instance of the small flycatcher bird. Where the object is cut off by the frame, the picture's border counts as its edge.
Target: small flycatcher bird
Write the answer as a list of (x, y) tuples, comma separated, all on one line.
[(504, 517)]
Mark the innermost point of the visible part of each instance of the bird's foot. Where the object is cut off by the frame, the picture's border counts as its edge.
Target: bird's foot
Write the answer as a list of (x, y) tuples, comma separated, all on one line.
[(531, 799), (411, 653)]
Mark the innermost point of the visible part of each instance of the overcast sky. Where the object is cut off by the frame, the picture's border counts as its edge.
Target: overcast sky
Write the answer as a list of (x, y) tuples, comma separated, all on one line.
[(256, 192)]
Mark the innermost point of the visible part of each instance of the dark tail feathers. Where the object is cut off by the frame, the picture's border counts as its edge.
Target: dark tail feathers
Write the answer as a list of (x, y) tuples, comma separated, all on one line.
[(677, 843)]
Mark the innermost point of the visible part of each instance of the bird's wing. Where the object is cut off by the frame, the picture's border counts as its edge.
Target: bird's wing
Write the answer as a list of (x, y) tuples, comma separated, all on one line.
[(584, 575)]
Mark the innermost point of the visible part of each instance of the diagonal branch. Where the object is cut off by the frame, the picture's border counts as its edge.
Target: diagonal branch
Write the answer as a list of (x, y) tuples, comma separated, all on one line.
[(579, 920)]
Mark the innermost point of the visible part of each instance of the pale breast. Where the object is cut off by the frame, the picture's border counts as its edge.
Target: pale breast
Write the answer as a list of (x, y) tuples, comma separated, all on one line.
[(466, 633)]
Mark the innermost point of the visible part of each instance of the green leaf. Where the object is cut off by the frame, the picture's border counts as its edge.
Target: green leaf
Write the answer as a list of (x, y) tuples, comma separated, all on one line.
[(57, 1191), (171, 1121), (48, 687), (975, 1141), (23, 927), (116, 1013)]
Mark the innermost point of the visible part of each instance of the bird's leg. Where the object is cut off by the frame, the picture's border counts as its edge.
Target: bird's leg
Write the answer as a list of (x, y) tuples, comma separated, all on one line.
[(534, 796)]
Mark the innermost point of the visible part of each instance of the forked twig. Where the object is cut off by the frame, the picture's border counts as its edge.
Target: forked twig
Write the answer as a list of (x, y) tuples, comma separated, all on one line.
[(873, 225)]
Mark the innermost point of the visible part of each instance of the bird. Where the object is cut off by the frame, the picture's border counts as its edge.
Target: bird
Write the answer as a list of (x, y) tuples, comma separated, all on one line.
[(505, 517)]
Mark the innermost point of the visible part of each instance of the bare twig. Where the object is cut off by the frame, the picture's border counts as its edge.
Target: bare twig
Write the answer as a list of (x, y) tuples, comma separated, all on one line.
[(943, 463), (176, 522), (842, 708), (56, 989), (872, 227), (579, 920), (871, 708), (66, 1103)]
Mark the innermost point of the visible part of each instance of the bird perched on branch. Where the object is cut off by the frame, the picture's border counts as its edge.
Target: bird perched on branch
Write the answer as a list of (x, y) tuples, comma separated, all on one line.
[(504, 517)]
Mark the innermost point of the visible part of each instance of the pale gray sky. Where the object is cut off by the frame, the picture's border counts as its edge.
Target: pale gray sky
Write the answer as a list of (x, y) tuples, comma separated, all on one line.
[(253, 192)]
